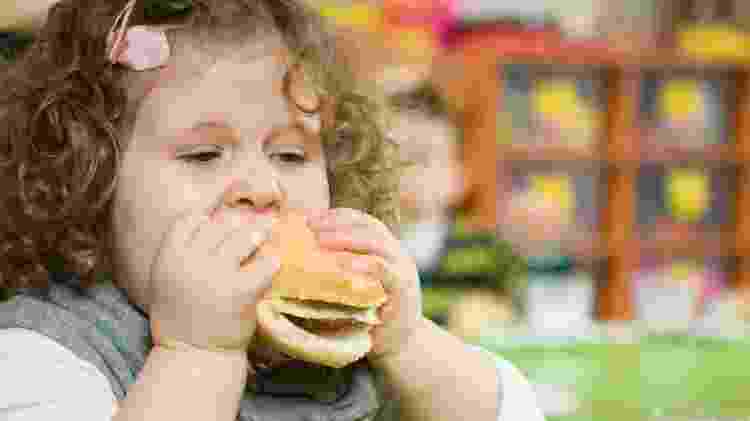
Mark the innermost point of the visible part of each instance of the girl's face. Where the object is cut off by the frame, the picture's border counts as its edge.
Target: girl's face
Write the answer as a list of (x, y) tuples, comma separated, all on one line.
[(223, 134)]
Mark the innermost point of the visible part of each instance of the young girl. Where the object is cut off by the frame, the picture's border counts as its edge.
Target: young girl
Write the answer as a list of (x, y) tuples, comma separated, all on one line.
[(142, 159)]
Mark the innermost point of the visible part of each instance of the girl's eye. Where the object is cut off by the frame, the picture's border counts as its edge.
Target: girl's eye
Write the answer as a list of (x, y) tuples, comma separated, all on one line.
[(201, 157), (290, 157)]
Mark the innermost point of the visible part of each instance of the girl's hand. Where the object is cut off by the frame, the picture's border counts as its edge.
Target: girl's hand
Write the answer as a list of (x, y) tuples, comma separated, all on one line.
[(350, 230), (200, 295)]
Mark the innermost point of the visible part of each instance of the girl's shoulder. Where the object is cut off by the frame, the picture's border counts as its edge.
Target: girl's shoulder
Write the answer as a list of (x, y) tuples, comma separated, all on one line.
[(55, 379), (97, 326)]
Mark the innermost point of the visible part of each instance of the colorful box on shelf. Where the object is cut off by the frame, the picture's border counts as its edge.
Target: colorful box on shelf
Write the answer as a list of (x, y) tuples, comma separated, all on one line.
[(716, 41), (685, 112), (551, 214), (691, 197), (689, 193), (513, 43), (672, 294), (423, 13), (545, 108), (362, 16)]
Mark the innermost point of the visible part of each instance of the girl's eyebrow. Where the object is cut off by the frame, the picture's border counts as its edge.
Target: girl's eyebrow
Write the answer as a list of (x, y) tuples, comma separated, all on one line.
[(274, 133), (266, 136), (189, 136), (210, 124), (226, 133)]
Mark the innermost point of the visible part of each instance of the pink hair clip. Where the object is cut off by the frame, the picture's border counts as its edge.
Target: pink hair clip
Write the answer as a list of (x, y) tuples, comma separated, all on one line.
[(139, 47)]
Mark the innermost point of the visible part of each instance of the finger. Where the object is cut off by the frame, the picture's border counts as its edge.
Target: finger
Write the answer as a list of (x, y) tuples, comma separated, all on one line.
[(263, 267), (336, 223), (190, 222), (345, 218), (358, 217), (243, 242), (357, 241), (370, 265), (214, 232)]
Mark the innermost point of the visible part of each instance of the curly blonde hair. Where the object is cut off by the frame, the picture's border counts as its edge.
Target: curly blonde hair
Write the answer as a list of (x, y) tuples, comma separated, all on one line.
[(65, 112)]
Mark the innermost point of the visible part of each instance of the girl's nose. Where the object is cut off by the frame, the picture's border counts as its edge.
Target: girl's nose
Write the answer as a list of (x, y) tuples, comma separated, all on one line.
[(258, 197)]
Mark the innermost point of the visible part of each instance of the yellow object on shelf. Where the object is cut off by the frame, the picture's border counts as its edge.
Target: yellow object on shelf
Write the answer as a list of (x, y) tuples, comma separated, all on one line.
[(557, 100), (553, 97), (557, 189), (688, 193), (681, 99), (682, 271), (354, 15), (715, 42)]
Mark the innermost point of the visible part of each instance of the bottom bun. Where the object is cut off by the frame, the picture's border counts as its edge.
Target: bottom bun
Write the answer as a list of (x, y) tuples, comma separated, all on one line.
[(332, 350)]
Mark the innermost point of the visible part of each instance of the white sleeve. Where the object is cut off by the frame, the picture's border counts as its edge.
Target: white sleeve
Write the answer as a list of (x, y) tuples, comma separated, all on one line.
[(42, 380), (518, 399)]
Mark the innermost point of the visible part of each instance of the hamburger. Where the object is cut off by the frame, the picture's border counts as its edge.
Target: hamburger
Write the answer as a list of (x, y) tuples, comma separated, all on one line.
[(316, 311)]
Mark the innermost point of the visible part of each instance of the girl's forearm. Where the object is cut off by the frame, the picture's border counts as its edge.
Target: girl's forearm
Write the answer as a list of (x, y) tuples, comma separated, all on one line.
[(23, 15), (197, 385), (438, 378)]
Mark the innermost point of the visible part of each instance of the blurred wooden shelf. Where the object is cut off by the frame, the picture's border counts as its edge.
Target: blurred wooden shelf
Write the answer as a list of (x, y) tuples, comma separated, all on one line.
[(599, 54), (671, 59), (711, 154), (535, 153), (625, 146), (693, 245), (588, 251)]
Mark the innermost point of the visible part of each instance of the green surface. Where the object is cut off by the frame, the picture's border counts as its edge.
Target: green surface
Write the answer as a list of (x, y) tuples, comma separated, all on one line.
[(660, 376)]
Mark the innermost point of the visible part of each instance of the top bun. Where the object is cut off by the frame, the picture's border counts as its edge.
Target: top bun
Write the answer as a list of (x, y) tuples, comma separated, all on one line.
[(309, 272)]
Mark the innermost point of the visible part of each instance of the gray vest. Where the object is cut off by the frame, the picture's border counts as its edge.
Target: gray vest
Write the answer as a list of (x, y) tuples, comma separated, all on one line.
[(100, 325)]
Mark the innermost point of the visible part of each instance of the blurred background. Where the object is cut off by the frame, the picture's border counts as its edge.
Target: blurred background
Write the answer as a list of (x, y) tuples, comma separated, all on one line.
[(580, 193)]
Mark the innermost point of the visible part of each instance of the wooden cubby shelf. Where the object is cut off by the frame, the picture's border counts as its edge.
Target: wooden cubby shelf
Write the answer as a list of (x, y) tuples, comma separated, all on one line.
[(708, 245), (528, 153), (717, 155), (714, 155), (622, 152)]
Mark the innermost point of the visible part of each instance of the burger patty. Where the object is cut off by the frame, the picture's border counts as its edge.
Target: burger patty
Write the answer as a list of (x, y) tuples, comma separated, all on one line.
[(265, 357), (324, 326)]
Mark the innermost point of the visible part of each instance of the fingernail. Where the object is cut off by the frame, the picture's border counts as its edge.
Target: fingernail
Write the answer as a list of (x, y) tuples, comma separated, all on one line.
[(275, 261)]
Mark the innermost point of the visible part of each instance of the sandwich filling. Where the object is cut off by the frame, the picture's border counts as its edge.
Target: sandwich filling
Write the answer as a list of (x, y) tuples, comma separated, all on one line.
[(325, 319)]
